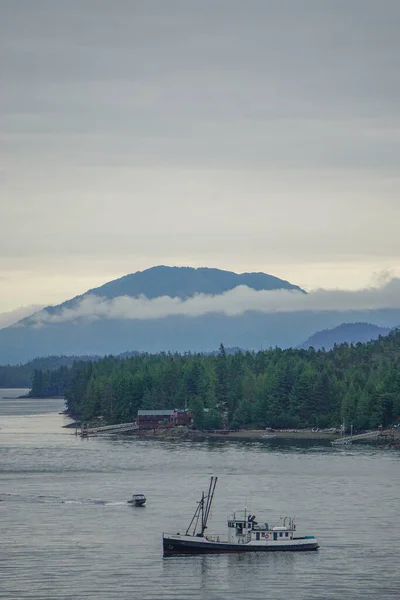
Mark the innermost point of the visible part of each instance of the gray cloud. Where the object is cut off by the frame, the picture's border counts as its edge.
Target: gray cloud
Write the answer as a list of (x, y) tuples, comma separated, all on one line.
[(195, 132), (232, 303), (277, 83)]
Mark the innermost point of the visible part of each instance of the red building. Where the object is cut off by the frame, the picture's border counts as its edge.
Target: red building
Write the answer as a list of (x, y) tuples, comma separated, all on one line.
[(181, 417), (154, 419)]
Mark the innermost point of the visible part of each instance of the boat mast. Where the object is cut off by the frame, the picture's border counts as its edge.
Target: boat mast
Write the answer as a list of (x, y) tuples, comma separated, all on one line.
[(202, 512), (203, 509), (209, 497)]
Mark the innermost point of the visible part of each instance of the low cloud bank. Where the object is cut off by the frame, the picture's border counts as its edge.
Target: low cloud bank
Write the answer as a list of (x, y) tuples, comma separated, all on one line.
[(232, 303)]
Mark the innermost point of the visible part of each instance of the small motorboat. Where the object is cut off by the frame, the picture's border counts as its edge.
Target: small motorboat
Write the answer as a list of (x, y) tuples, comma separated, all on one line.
[(244, 534), (137, 500)]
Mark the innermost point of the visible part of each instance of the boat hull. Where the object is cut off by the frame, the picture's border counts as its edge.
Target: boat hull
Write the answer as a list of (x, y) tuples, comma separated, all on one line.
[(174, 546)]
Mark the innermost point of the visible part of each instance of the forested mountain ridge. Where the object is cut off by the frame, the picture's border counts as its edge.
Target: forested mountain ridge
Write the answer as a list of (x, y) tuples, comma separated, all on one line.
[(20, 376), (276, 388)]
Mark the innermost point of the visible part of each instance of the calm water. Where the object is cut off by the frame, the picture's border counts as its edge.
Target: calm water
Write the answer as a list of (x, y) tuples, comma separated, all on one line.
[(67, 532)]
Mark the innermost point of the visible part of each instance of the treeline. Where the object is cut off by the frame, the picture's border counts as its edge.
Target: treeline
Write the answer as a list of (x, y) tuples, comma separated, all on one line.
[(15, 376), (277, 388), (20, 376)]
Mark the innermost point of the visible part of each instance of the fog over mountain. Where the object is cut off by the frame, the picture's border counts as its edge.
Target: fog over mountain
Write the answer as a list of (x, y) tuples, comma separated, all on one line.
[(196, 311), (234, 302)]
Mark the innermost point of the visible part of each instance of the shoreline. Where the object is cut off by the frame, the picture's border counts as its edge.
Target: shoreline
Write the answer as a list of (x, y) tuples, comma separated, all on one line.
[(257, 434), (283, 434), (184, 433), (248, 434)]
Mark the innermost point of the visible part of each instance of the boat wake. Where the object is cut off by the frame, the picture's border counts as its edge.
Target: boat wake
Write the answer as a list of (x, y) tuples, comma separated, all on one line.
[(42, 499)]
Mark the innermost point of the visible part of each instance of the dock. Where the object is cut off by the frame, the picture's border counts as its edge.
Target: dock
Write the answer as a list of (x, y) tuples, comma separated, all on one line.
[(381, 437), (354, 438), (120, 428)]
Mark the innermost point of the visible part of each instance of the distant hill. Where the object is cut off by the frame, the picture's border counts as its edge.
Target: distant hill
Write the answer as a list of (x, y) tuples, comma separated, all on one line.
[(352, 333)]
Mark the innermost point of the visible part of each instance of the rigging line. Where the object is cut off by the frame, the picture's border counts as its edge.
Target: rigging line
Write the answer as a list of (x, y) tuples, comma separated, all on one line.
[(196, 514), (197, 520)]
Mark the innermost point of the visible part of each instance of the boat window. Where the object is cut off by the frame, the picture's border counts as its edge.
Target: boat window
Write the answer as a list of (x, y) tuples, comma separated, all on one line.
[(280, 534), (257, 536), (286, 534)]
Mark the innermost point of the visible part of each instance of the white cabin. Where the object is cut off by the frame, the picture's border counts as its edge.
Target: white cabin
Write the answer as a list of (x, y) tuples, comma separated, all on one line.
[(243, 529)]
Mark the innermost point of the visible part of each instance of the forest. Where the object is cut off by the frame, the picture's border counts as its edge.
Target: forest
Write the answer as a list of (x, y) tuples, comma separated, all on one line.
[(272, 388)]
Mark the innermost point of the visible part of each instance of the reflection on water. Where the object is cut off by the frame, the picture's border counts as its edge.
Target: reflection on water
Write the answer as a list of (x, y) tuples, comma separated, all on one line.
[(63, 501)]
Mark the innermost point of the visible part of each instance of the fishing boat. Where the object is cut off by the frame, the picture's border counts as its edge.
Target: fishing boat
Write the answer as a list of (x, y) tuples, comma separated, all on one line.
[(137, 500), (245, 534)]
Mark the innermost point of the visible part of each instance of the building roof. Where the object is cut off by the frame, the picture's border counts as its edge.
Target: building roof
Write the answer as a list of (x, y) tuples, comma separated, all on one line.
[(155, 413)]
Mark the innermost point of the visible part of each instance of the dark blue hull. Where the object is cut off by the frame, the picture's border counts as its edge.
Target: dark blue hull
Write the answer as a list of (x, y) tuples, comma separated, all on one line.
[(174, 547)]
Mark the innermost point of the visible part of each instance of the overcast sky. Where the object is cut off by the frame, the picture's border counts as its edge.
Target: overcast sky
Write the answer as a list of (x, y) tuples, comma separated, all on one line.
[(257, 135)]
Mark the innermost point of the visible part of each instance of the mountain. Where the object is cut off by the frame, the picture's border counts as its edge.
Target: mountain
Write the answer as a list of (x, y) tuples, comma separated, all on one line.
[(181, 282), (91, 334), (352, 333), (177, 309)]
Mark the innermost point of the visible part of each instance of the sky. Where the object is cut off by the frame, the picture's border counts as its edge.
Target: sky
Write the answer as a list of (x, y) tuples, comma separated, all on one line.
[(250, 136)]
